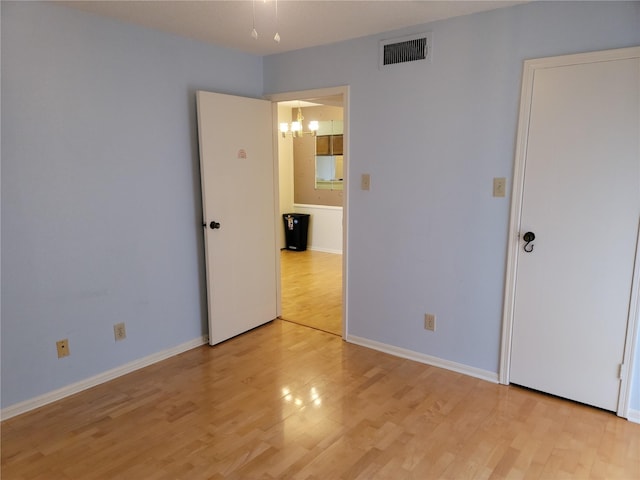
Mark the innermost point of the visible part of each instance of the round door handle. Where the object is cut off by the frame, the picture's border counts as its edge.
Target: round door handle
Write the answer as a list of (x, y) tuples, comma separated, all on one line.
[(214, 225), (528, 238)]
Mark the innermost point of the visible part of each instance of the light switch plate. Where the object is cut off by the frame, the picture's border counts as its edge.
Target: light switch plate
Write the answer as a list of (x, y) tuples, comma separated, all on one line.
[(119, 331), (365, 181), (499, 187)]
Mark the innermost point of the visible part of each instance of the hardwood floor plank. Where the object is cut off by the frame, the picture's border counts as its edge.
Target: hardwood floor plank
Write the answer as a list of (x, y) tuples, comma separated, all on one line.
[(289, 402), (312, 289)]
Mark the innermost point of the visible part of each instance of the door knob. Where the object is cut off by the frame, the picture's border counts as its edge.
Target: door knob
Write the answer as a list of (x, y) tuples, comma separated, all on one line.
[(528, 238), (214, 225)]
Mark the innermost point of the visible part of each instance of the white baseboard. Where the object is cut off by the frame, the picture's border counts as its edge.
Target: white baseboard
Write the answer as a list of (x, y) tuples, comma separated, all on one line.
[(427, 359), (33, 403), (632, 416), (325, 250)]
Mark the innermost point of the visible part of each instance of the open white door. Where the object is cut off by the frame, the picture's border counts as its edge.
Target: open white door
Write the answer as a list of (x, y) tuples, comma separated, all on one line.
[(238, 201), (581, 199)]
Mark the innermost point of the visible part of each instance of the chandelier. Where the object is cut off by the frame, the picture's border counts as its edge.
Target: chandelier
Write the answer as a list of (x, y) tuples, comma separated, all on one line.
[(254, 32), (295, 129)]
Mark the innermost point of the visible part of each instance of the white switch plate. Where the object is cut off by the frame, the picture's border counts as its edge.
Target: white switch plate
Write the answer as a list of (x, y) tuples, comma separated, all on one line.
[(119, 331), (499, 187), (365, 181)]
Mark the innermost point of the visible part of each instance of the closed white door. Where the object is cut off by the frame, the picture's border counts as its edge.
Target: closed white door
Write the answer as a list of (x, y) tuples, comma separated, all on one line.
[(239, 210), (581, 199)]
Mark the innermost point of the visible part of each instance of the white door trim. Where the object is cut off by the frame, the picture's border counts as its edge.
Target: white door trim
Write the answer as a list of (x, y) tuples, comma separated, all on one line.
[(325, 92), (627, 369), (513, 243)]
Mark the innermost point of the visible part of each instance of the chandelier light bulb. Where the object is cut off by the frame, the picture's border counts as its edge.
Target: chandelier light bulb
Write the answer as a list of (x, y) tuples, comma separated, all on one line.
[(295, 128), (276, 37), (254, 32)]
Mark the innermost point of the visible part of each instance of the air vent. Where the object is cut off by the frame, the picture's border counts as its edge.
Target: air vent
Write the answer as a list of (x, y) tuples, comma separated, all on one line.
[(412, 48)]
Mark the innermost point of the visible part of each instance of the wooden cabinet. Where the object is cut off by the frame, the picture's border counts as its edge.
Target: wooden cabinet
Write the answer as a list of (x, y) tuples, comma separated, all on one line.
[(336, 145), (329, 145), (323, 145)]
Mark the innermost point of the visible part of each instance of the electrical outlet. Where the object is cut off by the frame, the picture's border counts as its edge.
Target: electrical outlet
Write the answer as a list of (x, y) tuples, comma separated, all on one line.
[(119, 332), (430, 322), (63, 348), (499, 187)]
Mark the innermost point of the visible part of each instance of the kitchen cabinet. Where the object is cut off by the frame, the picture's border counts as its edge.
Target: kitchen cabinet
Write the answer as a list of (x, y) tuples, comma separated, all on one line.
[(336, 144), (323, 145), (329, 145)]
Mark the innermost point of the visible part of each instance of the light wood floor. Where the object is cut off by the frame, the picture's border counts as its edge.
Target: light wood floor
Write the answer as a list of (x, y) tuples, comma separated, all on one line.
[(286, 401), (312, 289)]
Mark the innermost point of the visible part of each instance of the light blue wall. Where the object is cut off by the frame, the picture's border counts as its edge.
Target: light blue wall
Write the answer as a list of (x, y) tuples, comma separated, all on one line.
[(429, 236), (100, 191), (101, 195)]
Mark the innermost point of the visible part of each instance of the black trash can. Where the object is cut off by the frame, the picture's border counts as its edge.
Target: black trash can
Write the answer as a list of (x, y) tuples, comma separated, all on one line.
[(296, 226)]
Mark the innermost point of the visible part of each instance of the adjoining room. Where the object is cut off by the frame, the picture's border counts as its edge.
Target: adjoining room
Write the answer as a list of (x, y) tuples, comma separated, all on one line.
[(312, 166)]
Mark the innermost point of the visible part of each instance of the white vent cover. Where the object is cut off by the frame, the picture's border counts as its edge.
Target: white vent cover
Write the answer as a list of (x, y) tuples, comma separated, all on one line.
[(412, 48)]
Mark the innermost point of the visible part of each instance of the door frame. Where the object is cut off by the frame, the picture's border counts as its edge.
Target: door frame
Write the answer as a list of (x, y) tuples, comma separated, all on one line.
[(300, 95), (513, 241)]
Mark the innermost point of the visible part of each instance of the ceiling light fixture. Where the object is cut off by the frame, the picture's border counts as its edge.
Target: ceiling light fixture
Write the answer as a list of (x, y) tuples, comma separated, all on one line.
[(254, 32), (276, 37), (296, 129)]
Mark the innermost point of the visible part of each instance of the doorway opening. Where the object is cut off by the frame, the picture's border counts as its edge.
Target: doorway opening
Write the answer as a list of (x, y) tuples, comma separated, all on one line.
[(312, 172)]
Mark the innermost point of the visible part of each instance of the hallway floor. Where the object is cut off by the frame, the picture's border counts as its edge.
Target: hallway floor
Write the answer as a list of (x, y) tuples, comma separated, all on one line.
[(312, 289)]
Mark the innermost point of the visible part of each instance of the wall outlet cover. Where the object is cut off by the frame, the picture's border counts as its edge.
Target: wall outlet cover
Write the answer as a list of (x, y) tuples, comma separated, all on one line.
[(62, 346), (430, 322)]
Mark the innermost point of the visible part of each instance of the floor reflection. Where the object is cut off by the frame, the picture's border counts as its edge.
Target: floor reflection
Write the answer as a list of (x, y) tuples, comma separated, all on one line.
[(298, 400)]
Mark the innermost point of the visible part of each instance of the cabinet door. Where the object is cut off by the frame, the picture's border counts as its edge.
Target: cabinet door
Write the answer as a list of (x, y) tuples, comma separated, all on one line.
[(336, 144), (323, 145)]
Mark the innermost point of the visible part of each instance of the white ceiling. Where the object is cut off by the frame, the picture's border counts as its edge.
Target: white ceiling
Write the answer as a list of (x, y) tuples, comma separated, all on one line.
[(300, 23)]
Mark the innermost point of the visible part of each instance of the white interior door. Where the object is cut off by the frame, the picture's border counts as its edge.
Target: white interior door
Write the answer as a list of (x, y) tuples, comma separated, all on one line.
[(581, 199), (238, 194)]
